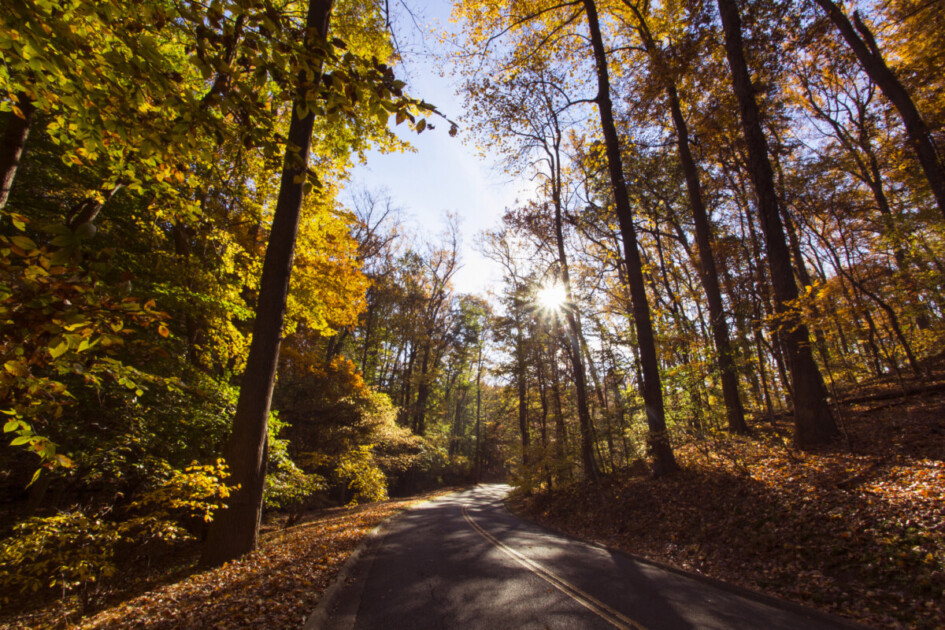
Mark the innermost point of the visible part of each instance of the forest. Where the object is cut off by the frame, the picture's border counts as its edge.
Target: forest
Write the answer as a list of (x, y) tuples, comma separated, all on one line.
[(720, 323)]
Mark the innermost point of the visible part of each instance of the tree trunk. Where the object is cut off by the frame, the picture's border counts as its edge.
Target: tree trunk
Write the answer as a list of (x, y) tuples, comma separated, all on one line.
[(664, 461), (479, 415), (561, 434), (867, 52), (423, 392), (725, 354), (235, 529), (813, 422), (14, 141), (708, 274), (574, 346), (522, 395)]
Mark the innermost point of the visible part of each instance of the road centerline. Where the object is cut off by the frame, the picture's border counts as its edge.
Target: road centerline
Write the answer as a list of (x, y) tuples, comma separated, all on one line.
[(602, 610)]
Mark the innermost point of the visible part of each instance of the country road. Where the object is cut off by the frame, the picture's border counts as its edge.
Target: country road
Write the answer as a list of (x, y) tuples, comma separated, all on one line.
[(463, 561)]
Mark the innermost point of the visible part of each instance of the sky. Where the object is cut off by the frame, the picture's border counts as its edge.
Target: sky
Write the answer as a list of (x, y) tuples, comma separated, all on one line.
[(446, 174)]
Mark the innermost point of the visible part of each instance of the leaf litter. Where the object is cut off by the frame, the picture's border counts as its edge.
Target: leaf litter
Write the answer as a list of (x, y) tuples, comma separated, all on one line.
[(857, 530), (276, 586)]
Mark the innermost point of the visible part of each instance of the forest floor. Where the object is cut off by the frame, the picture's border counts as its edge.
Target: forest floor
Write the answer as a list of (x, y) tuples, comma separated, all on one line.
[(857, 529), (276, 586)]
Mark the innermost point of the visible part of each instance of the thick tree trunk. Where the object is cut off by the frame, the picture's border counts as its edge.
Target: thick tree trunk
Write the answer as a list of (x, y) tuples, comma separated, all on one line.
[(867, 52), (813, 421), (664, 461), (14, 141), (235, 529)]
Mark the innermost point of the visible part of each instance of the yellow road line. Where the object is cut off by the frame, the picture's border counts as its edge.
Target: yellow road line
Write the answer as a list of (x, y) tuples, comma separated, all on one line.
[(602, 610)]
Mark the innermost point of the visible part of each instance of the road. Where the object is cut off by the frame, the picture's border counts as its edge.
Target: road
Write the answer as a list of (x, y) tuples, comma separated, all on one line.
[(463, 561)]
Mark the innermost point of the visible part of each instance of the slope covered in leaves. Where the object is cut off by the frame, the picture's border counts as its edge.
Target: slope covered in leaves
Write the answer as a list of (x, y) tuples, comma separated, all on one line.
[(857, 530), (276, 586)]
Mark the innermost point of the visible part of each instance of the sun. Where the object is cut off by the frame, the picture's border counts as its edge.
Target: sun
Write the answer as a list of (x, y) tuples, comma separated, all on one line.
[(551, 297)]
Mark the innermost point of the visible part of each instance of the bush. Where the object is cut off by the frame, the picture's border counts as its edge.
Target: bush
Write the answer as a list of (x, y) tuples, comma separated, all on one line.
[(361, 475), (76, 549)]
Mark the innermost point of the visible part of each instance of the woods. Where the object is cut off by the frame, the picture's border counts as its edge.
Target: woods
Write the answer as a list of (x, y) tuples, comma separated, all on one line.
[(727, 252)]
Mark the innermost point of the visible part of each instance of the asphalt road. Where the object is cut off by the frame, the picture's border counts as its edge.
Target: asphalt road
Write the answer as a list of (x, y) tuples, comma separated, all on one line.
[(463, 561)]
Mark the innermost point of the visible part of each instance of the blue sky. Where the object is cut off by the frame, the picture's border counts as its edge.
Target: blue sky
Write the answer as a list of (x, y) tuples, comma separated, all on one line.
[(446, 174)]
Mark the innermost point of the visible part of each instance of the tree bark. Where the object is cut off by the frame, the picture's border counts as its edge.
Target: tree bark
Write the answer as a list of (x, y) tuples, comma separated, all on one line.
[(423, 391), (235, 529), (814, 424), (14, 141), (867, 52), (664, 461)]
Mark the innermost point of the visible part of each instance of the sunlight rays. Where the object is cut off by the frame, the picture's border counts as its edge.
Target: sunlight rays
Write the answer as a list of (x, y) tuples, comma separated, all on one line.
[(551, 297)]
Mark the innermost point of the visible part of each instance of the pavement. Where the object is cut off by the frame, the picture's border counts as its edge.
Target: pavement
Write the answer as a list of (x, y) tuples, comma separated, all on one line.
[(463, 561)]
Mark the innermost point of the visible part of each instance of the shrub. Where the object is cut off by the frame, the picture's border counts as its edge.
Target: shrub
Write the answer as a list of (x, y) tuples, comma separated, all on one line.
[(76, 548), (362, 476)]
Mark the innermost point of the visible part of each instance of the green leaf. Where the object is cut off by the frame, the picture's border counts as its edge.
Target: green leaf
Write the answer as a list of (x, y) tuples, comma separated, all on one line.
[(19, 441), (11, 426)]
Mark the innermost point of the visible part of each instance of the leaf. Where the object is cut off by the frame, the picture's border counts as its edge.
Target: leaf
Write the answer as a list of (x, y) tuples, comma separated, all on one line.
[(11, 426), (19, 441), (59, 349), (16, 368), (23, 242), (163, 331)]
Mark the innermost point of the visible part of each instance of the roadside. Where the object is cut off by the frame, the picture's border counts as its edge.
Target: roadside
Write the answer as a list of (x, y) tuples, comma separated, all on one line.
[(857, 530), (276, 586)]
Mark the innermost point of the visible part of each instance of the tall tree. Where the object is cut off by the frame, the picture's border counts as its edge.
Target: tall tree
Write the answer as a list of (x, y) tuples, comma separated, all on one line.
[(813, 420), (235, 530), (663, 460), (706, 258)]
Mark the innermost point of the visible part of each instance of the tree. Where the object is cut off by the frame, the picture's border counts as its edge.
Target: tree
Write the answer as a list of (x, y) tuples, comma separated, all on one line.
[(663, 460), (706, 259), (235, 529), (525, 114), (814, 422), (861, 41)]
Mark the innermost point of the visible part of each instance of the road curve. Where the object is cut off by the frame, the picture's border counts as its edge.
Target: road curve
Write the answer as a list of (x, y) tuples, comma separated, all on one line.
[(463, 561)]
